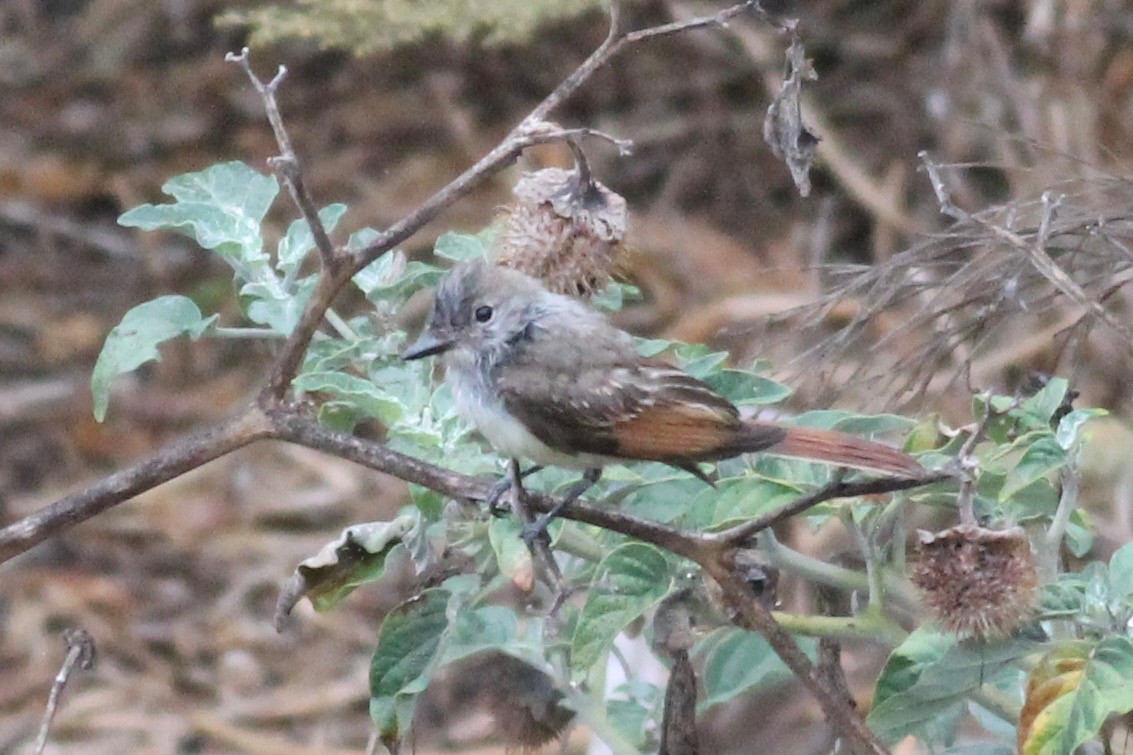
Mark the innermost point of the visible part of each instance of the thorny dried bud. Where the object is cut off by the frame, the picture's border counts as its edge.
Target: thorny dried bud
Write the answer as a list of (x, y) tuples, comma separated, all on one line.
[(564, 228), (976, 581)]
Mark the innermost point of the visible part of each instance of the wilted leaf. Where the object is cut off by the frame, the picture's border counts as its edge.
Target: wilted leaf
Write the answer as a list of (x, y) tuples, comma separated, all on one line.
[(355, 557), (221, 207), (789, 138), (1072, 692), (629, 581), (134, 341)]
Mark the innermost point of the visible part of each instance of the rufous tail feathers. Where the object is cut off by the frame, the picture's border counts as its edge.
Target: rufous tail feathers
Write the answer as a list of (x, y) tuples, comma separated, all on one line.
[(841, 449)]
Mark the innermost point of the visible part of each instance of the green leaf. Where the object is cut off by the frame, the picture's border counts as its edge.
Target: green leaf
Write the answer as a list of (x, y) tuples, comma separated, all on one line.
[(512, 556), (1037, 411), (134, 341), (735, 500), (391, 278), (356, 557), (630, 709), (923, 647), (629, 581), (614, 296), (408, 647), (1121, 573), (459, 247), (274, 307), (221, 208), (1041, 458), (747, 389), (856, 424), (1072, 693), (367, 397), (1069, 426), (299, 241), (941, 685), (738, 661)]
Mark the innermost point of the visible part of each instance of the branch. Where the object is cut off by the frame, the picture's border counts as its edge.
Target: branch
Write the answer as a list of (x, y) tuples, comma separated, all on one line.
[(741, 533), (80, 653), (183, 455), (286, 163), (1035, 253), (752, 614), (527, 132)]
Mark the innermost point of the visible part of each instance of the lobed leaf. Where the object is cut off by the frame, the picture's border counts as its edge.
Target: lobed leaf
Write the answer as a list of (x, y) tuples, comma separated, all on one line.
[(298, 242), (221, 208), (134, 341)]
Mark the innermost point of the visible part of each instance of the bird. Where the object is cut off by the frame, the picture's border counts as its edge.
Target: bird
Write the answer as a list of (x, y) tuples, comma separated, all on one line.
[(546, 378)]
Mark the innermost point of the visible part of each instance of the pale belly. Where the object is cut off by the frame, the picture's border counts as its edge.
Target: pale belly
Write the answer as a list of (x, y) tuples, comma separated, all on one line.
[(511, 439)]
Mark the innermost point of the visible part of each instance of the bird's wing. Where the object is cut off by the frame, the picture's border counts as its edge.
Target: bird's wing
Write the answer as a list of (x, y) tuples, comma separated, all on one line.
[(640, 410)]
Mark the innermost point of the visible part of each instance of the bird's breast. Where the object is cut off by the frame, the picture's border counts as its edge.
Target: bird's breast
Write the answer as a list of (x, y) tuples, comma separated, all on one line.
[(478, 404)]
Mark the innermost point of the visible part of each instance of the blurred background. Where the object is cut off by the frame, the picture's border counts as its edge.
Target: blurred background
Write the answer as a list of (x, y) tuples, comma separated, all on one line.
[(101, 101)]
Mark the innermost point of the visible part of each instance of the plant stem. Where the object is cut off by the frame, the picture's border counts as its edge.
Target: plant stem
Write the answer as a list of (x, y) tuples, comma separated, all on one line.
[(869, 626)]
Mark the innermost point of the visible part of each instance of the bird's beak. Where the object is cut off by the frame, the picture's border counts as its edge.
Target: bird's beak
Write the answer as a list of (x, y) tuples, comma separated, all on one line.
[(426, 346)]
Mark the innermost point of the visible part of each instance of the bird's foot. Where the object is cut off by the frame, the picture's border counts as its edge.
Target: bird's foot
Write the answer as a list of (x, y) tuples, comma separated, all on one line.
[(498, 491), (536, 532)]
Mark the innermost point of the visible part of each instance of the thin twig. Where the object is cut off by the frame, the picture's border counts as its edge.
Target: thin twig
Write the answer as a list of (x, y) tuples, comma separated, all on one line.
[(1035, 253), (1071, 479), (80, 653), (287, 163), (968, 465), (741, 533)]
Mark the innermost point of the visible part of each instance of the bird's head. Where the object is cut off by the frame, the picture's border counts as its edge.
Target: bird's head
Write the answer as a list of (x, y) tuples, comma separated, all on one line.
[(480, 310)]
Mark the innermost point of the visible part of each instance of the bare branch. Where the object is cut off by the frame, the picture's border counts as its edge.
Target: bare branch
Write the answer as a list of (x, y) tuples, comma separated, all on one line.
[(837, 488), (1035, 253), (179, 457), (80, 653), (520, 137), (287, 163)]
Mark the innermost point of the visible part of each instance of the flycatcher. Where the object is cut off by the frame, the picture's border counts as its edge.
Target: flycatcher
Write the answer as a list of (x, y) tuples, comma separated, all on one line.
[(544, 377)]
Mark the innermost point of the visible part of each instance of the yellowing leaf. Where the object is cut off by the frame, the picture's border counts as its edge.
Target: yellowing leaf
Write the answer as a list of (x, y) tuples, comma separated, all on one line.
[(1071, 693)]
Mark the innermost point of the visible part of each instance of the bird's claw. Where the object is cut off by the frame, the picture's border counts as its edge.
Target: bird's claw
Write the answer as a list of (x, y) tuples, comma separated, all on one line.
[(536, 532), (495, 494)]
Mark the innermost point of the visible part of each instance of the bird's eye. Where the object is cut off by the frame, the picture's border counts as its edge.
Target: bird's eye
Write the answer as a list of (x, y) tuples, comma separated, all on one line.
[(483, 314)]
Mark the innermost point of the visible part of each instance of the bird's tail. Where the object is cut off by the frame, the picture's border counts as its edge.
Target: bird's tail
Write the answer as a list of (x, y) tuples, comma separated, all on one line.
[(833, 447)]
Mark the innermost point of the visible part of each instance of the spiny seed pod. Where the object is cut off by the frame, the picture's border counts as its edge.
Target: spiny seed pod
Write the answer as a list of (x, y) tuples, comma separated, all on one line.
[(564, 228), (974, 581)]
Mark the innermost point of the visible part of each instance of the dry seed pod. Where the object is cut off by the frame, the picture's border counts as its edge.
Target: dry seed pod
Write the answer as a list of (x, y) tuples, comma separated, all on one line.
[(975, 581), (564, 228)]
